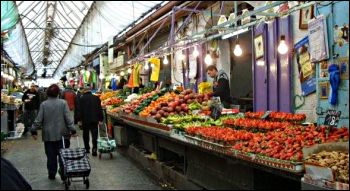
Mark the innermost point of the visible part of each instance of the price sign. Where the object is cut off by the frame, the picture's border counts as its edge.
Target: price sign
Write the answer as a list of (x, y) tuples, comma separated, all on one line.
[(332, 118), (266, 114)]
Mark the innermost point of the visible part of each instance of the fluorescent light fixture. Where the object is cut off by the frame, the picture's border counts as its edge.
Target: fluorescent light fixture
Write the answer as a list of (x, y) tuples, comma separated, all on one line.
[(226, 36)]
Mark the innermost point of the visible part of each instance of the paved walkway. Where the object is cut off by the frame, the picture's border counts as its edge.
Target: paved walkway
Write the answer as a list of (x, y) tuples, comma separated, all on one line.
[(28, 156)]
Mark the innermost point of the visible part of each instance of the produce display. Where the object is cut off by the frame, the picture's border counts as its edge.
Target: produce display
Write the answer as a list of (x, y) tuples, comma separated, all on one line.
[(256, 124), (131, 107), (279, 136), (159, 107), (337, 161), (278, 116), (107, 95), (113, 101), (225, 136), (182, 122), (288, 144)]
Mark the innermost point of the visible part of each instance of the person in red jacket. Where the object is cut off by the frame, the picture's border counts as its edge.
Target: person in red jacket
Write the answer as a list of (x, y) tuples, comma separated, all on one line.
[(69, 95)]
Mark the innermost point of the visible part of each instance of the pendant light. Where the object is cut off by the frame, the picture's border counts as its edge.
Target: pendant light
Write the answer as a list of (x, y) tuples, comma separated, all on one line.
[(122, 73), (165, 61), (146, 66), (208, 60), (238, 50), (282, 47), (129, 71)]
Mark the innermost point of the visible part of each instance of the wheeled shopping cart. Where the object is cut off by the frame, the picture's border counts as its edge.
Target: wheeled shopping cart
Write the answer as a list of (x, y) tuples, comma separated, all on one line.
[(75, 164)]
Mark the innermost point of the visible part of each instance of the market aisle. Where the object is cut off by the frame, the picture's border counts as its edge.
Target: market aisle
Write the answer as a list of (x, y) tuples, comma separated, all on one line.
[(29, 158)]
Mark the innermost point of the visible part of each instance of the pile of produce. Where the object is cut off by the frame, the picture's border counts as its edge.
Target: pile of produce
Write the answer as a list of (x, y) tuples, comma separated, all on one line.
[(130, 107), (131, 98), (337, 161), (288, 144), (107, 95), (113, 101), (278, 116), (146, 90), (182, 122), (124, 93), (225, 136), (162, 107), (256, 124)]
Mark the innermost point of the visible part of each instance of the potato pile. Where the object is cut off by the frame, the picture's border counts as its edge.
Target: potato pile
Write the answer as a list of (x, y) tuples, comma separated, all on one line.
[(338, 161)]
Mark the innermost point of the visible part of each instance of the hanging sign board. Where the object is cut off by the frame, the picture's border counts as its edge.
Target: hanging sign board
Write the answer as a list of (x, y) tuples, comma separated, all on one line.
[(332, 118), (317, 29), (307, 70), (104, 66), (110, 51)]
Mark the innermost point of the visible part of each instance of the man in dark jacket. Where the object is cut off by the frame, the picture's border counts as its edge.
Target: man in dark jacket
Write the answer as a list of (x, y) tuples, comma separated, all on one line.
[(11, 179), (90, 114), (31, 101), (221, 86)]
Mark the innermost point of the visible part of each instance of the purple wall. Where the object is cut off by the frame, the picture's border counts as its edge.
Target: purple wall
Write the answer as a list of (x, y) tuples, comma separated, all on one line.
[(260, 74), (272, 67), (272, 81)]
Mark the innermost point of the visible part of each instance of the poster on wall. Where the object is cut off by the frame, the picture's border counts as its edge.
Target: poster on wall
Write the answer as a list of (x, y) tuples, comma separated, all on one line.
[(318, 39), (307, 70)]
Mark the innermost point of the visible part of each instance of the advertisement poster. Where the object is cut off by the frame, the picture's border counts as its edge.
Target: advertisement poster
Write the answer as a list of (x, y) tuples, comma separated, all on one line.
[(317, 29), (307, 70)]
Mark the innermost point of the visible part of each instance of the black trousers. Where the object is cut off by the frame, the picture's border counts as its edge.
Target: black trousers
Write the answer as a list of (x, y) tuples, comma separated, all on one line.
[(52, 152), (90, 127)]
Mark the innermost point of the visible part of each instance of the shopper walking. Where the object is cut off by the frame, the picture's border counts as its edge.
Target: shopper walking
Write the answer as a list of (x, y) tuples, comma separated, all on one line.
[(69, 95), (90, 114), (31, 101), (55, 119)]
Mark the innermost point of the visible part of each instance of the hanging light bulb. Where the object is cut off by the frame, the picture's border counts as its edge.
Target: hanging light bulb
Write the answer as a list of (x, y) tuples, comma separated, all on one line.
[(282, 47), (122, 73), (146, 66), (129, 70), (238, 50), (165, 61), (101, 76), (208, 60), (152, 65), (195, 52)]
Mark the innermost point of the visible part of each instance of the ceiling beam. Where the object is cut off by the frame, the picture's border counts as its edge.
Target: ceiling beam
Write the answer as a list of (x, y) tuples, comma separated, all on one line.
[(76, 32)]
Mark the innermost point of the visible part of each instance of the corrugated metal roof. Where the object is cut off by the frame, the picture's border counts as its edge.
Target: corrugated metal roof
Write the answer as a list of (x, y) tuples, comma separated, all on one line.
[(51, 26)]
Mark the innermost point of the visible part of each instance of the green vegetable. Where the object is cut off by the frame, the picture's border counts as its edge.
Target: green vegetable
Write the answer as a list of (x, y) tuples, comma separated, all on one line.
[(194, 106)]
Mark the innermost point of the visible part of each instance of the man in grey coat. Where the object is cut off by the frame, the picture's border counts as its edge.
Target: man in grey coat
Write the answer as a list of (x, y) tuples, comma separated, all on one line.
[(55, 119)]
